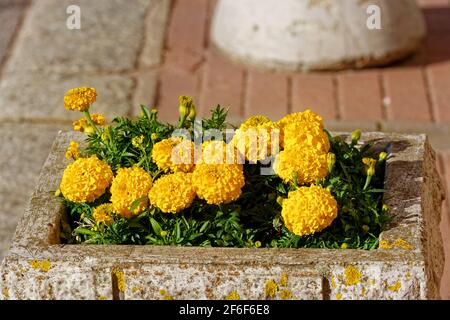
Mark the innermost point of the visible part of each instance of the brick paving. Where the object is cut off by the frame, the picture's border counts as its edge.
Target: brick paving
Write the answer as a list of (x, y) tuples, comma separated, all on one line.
[(164, 52)]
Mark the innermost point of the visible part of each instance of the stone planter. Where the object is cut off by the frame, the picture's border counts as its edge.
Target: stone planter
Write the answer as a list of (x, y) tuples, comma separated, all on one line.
[(408, 266), (316, 35)]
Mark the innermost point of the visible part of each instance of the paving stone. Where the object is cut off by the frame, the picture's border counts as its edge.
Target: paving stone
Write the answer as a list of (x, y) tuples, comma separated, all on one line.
[(108, 40), (363, 103), (439, 80), (9, 20), (267, 95), (315, 91), (405, 95), (145, 92), (155, 31), (223, 83), (37, 96), (187, 27)]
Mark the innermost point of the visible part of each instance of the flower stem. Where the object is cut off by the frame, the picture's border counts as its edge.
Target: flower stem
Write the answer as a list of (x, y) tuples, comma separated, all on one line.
[(89, 119)]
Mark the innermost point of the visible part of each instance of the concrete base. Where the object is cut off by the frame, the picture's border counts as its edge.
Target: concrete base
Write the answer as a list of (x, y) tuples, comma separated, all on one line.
[(316, 34), (408, 264)]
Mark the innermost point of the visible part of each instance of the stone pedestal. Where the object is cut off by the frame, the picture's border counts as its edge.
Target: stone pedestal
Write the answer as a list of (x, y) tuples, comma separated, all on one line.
[(408, 264), (317, 34)]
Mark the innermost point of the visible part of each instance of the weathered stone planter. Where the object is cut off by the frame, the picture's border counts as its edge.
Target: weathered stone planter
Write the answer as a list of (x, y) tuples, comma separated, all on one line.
[(410, 266)]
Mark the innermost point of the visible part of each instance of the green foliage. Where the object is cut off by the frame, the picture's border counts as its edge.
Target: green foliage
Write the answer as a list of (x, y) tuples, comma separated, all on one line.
[(253, 220)]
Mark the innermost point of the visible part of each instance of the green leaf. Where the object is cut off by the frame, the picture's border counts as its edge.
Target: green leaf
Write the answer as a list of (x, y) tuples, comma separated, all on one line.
[(155, 226)]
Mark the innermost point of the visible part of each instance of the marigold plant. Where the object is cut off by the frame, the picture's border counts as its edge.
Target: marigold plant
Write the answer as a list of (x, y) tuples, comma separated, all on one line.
[(284, 183)]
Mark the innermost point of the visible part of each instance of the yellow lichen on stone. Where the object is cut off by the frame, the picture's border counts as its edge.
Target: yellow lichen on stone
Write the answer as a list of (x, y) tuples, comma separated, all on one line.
[(286, 294), (338, 296), (43, 265), (352, 275), (395, 287), (5, 293), (408, 276), (120, 276), (233, 295), (363, 292), (399, 243), (162, 292), (167, 297), (135, 289), (102, 298), (402, 244), (284, 279), (271, 288), (372, 282)]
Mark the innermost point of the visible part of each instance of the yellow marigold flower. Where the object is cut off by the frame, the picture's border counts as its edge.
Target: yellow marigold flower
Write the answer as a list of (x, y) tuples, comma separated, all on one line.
[(129, 185), (98, 119), (175, 154), (218, 152), (304, 164), (72, 151), (305, 116), (83, 125), (370, 165), (308, 210), (137, 141), (218, 183), (305, 134), (85, 179), (103, 213), (173, 193), (257, 138), (80, 98)]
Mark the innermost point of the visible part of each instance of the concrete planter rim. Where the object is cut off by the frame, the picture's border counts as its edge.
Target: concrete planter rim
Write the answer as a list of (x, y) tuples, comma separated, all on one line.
[(37, 235)]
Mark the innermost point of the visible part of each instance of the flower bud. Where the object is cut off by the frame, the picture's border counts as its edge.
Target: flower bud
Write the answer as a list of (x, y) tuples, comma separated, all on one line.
[(154, 136), (344, 246), (185, 106), (356, 135), (280, 200), (331, 160), (366, 228), (385, 208), (163, 233), (370, 166), (382, 156), (257, 244), (192, 113)]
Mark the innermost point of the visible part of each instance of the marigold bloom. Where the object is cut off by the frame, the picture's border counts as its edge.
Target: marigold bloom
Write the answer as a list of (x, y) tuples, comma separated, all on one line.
[(218, 183), (305, 116), (175, 154), (304, 164), (173, 193), (308, 210), (217, 152), (80, 98), (83, 125), (306, 134), (85, 179), (72, 151), (103, 214), (129, 185), (257, 138)]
